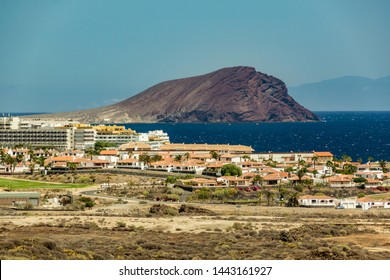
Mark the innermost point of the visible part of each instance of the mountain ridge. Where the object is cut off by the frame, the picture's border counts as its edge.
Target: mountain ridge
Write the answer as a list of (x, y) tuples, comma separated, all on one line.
[(232, 94)]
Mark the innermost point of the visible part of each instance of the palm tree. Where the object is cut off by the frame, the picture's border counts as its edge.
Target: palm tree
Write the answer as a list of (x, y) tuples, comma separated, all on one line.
[(8, 160), (19, 158), (331, 165), (257, 179), (186, 156), (156, 158), (314, 159), (346, 158), (215, 155), (293, 200), (32, 167), (72, 166), (382, 164), (246, 157), (300, 173), (282, 193), (302, 162), (269, 195), (2, 156), (31, 154), (349, 168), (146, 159), (178, 158)]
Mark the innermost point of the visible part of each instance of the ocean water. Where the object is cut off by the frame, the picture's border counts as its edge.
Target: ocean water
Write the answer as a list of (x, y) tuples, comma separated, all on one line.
[(357, 134)]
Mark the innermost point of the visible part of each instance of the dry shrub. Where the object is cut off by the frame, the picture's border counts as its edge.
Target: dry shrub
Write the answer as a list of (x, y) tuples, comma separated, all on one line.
[(161, 209)]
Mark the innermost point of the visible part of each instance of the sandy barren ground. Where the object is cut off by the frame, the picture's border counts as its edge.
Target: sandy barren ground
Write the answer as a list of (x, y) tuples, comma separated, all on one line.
[(129, 231)]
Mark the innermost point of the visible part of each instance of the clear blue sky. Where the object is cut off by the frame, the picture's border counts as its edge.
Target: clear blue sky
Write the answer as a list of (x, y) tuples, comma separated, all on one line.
[(62, 55)]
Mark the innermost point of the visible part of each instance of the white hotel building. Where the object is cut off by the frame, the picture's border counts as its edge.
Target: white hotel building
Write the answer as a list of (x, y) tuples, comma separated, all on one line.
[(69, 134)]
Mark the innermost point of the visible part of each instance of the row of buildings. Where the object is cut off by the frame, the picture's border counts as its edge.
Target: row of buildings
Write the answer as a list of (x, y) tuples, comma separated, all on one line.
[(64, 134), (275, 169)]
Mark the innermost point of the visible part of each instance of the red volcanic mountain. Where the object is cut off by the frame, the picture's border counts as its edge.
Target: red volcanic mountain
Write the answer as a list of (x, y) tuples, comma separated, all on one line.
[(236, 94)]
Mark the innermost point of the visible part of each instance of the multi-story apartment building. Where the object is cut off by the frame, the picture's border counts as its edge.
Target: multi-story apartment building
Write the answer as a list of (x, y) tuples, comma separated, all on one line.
[(69, 134), (52, 137)]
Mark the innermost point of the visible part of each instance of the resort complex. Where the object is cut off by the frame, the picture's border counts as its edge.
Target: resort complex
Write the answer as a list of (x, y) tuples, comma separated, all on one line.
[(51, 146)]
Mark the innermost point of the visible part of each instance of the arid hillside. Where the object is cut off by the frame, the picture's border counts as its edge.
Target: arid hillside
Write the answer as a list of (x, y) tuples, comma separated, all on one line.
[(236, 94)]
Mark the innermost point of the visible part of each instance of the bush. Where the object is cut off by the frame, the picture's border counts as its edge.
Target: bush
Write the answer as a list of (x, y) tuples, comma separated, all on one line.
[(84, 180), (87, 202), (203, 194), (170, 197), (219, 194), (231, 170), (170, 180), (120, 224), (177, 191)]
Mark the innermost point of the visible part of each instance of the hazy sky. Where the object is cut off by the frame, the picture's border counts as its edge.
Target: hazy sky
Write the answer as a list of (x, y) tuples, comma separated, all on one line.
[(74, 54)]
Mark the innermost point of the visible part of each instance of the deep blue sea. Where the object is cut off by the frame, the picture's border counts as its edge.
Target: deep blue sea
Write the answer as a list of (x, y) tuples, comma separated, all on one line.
[(357, 134)]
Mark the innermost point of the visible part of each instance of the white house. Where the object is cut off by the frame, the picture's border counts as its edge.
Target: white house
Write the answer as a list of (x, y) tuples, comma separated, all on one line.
[(366, 203), (317, 201), (130, 163), (341, 181), (233, 181), (347, 203), (188, 167)]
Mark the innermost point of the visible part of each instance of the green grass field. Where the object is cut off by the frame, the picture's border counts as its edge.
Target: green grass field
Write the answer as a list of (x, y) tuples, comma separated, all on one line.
[(22, 184)]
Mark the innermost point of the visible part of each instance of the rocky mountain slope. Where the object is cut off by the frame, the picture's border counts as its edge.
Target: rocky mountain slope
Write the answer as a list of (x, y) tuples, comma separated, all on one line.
[(235, 94)]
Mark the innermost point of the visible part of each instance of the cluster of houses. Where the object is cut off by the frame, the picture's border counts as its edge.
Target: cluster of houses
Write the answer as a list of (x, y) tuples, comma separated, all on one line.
[(265, 169), (208, 159)]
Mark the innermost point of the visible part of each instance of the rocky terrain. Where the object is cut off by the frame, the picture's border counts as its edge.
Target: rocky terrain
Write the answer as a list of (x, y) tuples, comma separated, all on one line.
[(236, 94)]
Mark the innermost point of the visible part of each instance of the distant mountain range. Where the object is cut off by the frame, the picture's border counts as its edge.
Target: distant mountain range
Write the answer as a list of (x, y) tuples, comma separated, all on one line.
[(234, 94), (349, 93)]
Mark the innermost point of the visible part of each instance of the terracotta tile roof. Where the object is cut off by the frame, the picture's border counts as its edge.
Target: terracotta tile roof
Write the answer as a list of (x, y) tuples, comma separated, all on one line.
[(343, 178), (215, 165), (323, 154), (276, 176), (315, 197), (129, 160), (206, 147), (80, 160), (200, 155), (62, 158), (369, 180), (232, 178), (229, 156), (367, 199), (133, 145), (249, 175), (109, 153)]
